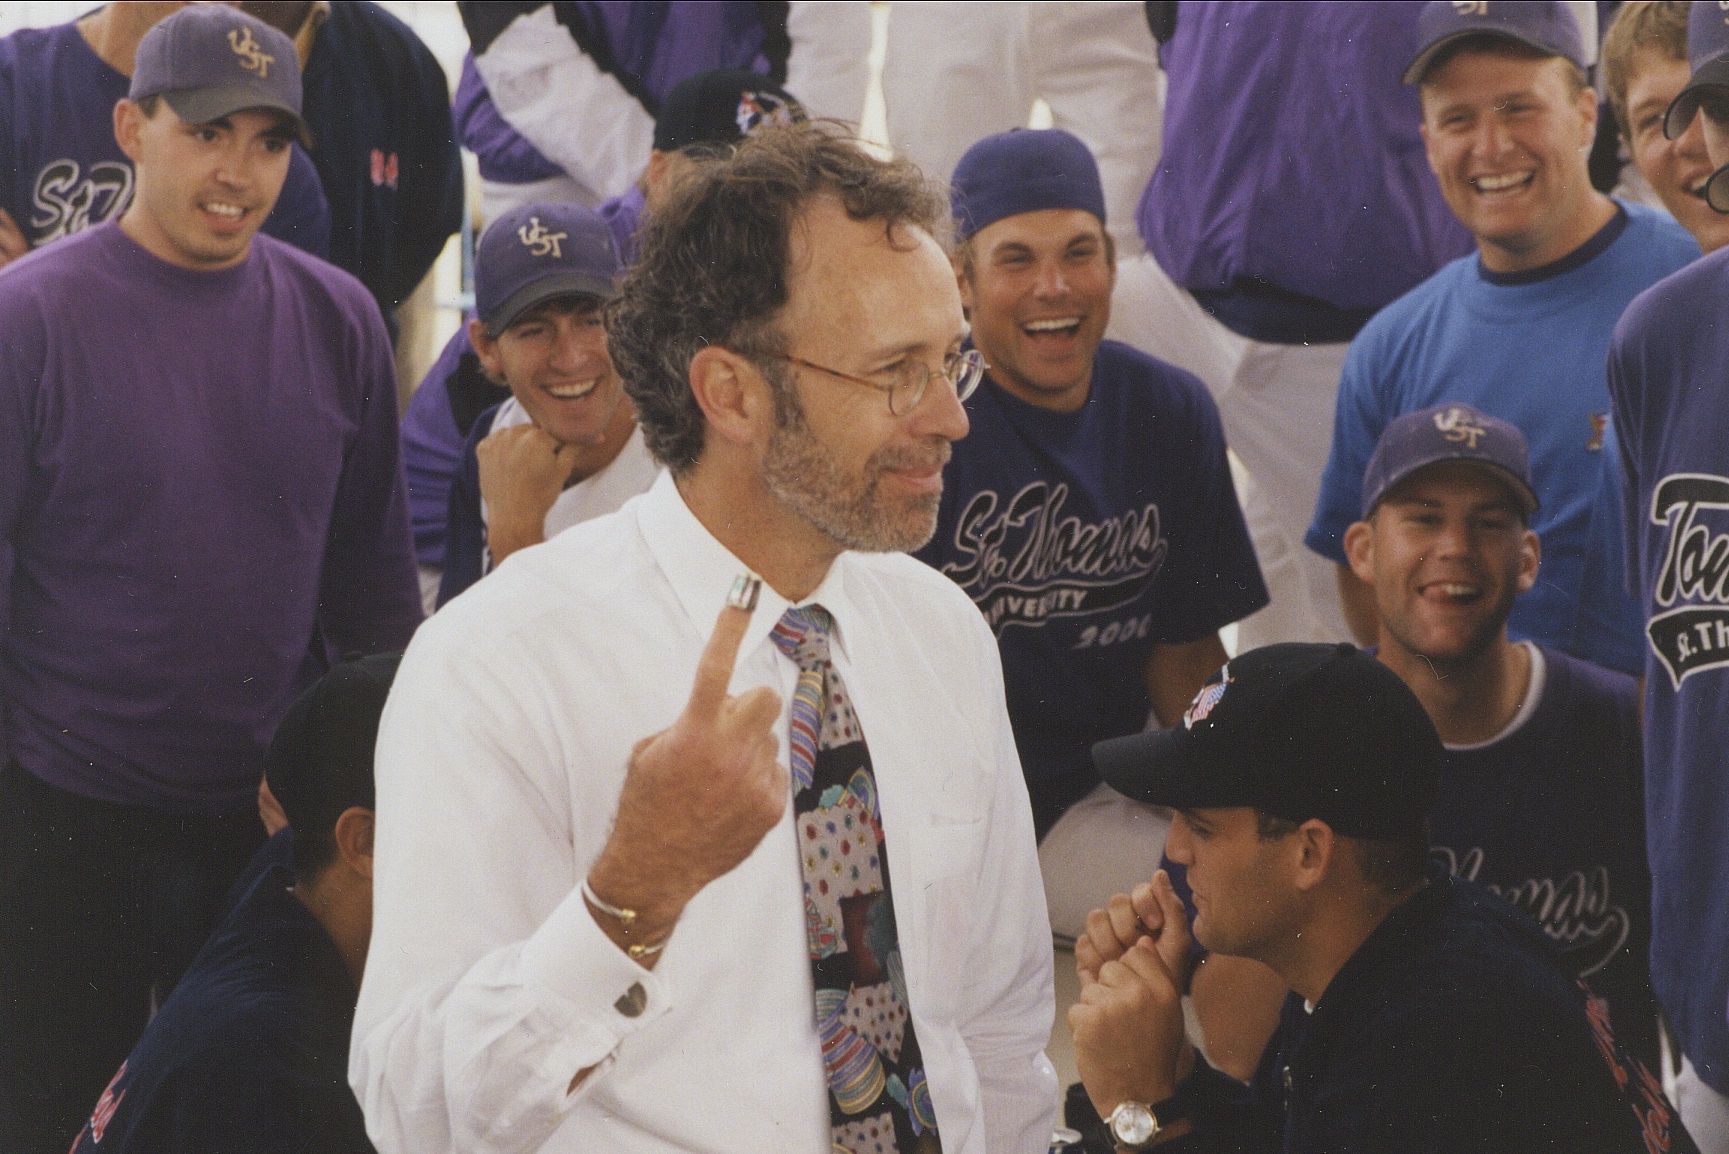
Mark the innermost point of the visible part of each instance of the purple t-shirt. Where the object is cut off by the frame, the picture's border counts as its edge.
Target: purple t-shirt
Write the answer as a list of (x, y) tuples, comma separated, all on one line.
[(1666, 364), (1278, 113), (1087, 538), (61, 169), (201, 501)]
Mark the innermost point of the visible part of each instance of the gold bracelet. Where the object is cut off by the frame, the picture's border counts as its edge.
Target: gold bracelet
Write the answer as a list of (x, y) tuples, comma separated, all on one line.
[(626, 917)]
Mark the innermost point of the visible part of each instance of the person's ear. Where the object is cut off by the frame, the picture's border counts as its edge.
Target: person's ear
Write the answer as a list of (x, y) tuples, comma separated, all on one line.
[(485, 347), (1530, 560), (1360, 551), (354, 839), (129, 129), (733, 394), (1313, 850)]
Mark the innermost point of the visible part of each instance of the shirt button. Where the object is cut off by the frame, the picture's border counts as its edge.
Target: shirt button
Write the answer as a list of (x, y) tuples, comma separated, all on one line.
[(633, 1001)]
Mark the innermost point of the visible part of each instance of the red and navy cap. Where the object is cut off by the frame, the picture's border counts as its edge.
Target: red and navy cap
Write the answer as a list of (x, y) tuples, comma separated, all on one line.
[(722, 107), (209, 60), (1547, 26), (1298, 731)]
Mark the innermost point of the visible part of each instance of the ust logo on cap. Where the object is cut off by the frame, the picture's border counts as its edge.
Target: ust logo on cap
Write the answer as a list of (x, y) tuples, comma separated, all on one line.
[(539, 240), (1205, 702), (756, 109), (252, 57), (1457, 426), (1471, 7)]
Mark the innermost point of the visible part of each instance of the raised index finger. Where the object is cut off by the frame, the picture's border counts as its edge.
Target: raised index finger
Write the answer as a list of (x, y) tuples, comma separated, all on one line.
[(714, 668)]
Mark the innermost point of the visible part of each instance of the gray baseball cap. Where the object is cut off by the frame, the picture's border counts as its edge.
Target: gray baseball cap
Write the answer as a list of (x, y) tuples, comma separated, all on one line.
[(537, 252), (210, 60)]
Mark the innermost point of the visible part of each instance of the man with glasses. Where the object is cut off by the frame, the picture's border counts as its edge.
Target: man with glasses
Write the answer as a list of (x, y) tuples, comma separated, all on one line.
[(1089, 514), (598, 923)]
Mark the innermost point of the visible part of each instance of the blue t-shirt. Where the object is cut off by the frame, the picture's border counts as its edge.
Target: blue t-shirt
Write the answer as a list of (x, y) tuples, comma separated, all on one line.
[(61, 169), (1548, 816), (1666, 374), (1529, 352), (250, 1052), (1087, 538)]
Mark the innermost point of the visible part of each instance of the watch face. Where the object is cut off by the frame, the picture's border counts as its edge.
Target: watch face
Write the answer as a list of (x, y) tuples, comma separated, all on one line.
[(1133, 1124)]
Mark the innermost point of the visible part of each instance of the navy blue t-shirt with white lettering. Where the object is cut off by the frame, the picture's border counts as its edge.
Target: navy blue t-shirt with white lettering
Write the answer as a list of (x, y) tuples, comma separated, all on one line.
[(1550, 816), (1666, 376), (1087, 538)]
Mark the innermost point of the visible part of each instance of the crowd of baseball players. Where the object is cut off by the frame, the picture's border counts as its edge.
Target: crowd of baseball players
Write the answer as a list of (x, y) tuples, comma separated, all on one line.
[(1261, 543)]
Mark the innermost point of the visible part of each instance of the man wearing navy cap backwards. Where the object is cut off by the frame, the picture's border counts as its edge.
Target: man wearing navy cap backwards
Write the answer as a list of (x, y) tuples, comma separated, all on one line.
[(1666, 379), (565, 446), (1089, 514), (201, 503), (1427, 1014), (1520, 328)]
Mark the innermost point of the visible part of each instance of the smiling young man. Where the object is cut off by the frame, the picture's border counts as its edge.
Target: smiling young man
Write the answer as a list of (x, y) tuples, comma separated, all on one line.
[(593, 931), (201, 502), (1644, 69), (1541, 792), (1089, 514), (1426, 1014), (1665, 375), (1520, 329), (565, 447)]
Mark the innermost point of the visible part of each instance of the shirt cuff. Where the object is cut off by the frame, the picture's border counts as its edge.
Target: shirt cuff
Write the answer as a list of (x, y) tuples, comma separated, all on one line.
[(571, 956)]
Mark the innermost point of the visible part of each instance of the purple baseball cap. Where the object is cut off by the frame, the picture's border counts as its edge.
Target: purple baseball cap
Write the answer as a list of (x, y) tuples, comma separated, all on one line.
[(537, 252), (1548, 26), (210, 60), (1449, 432), (1024, 170)]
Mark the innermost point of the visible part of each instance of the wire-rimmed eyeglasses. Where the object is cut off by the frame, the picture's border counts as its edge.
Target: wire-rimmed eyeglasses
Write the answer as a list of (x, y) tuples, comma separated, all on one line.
[(962, 371)]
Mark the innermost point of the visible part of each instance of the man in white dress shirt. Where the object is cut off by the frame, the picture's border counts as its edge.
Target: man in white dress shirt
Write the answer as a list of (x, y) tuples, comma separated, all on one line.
[(598, 924)]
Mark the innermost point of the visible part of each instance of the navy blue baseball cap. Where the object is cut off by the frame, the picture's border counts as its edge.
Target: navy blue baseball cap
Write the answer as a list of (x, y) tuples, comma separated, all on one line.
[(1449, 432), (1298, 731), (1547, 26), (721, 107), (537, 252), (209, 60), (1024, 170)]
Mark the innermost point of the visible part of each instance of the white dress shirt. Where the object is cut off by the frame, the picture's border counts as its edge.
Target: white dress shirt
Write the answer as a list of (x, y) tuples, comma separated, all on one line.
[(502, 751)]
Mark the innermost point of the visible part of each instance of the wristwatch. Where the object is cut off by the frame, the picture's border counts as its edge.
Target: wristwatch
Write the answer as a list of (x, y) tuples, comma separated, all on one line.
[(1134, 1125)]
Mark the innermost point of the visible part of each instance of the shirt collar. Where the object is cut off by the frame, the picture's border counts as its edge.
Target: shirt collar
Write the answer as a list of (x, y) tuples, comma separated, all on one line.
[(701, 571)]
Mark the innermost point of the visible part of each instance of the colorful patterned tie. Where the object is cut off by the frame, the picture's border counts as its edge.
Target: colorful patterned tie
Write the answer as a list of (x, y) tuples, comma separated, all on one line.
[(879, 1101)]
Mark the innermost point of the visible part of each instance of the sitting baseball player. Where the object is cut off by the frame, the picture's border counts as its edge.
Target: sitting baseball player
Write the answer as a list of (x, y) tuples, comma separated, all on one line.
[(1541, 790), (250, 1052), (1427, 1014), (1089, 513), (565, 447), (704, 113)]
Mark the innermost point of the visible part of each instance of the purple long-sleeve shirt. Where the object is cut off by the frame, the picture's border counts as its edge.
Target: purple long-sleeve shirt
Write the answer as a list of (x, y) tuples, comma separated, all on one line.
[(201, 499), (1292, 156)]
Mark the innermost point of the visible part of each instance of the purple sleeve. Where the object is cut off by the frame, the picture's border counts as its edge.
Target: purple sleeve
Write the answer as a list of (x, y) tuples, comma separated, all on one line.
[(431, 451), (504, 154), (369, 598)]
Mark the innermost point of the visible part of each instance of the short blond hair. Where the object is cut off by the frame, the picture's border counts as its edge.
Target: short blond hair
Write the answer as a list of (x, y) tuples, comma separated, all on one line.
[(1660, 25)]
